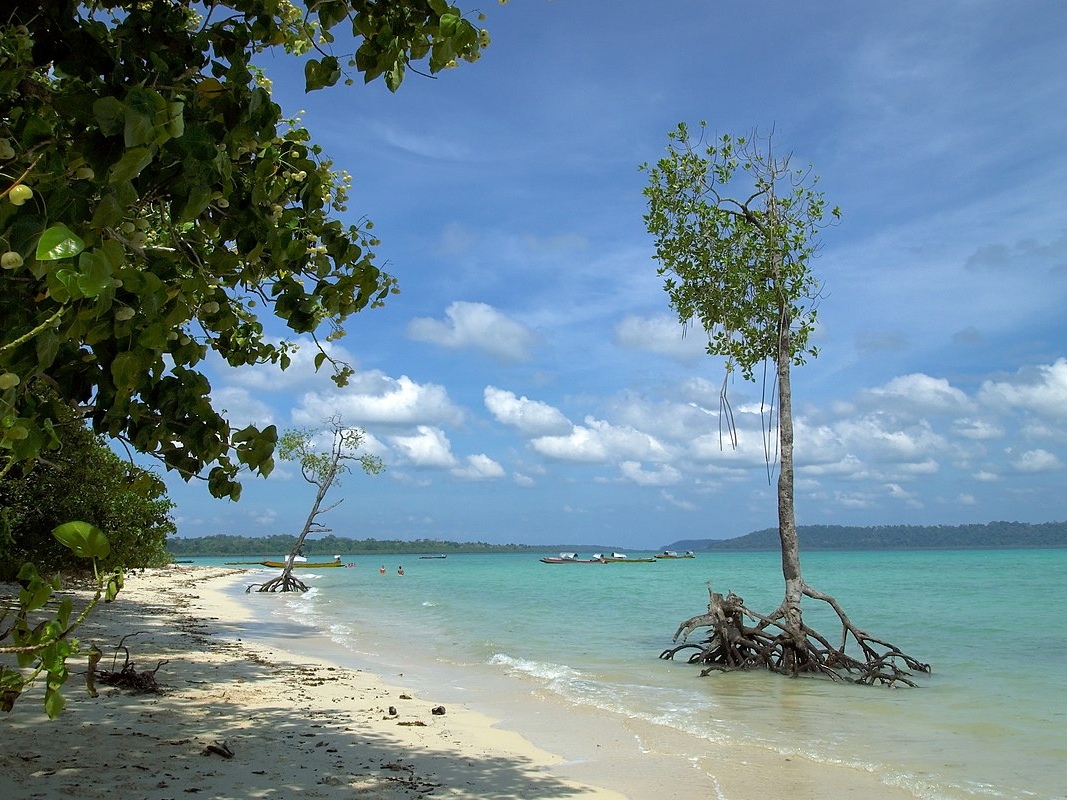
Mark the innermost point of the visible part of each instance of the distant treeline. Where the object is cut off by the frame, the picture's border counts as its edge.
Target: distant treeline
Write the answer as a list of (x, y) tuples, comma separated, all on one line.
[(279, 545), (896, 537), (812, 537)]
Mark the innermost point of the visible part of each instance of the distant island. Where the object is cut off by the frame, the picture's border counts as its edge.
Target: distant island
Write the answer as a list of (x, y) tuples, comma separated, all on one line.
[(993, 535)]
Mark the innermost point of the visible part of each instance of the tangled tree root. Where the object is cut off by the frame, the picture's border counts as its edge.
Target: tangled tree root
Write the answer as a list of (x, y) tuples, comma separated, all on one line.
[(286, 582), (733, 645), (127, 678)]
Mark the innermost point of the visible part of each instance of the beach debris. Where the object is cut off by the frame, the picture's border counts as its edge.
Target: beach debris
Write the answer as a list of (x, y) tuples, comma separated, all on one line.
[(437, 710), (127, 677), (416, 723), (392, 711), (218, 748)]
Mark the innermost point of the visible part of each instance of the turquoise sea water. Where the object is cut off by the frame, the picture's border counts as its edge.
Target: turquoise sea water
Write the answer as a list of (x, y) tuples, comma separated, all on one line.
[(989, 722)]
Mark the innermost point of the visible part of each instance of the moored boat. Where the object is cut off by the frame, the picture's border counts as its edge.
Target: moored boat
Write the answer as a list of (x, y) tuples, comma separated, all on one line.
[(672, 554), (302, 563), (622, 558), (571, 558)]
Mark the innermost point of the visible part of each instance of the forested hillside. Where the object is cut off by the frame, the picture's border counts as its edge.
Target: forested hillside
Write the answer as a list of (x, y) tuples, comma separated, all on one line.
[(895, 537)]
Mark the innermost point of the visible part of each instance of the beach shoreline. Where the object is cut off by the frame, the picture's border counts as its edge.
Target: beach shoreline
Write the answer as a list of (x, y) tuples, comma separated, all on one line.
[(299, 722)]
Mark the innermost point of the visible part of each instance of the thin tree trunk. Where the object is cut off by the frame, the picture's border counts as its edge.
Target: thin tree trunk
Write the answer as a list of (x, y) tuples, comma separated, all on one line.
[(324, 487), (787, 524)]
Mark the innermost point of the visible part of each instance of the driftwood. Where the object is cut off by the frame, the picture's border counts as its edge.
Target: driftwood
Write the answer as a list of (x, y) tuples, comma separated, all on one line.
[(732, 644), (127, 677)]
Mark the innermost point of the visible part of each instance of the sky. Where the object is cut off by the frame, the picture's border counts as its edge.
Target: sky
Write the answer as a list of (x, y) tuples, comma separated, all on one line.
[(531, 383)]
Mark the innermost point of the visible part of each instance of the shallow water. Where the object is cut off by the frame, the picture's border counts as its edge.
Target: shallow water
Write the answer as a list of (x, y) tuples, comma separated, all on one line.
[(989, 722)]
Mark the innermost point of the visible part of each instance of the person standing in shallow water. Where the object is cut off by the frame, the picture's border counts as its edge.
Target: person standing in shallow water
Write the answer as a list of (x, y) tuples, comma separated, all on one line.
[(382, 570), (399, 570)]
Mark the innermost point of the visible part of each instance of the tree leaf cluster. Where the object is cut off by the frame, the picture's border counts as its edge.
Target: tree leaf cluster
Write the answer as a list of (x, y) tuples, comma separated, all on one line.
[(82, 480), (36, 630), (155, 200), (733, 247)]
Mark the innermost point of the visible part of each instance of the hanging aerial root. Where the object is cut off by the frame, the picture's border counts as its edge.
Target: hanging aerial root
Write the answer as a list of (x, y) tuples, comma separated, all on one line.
[(732, 644)]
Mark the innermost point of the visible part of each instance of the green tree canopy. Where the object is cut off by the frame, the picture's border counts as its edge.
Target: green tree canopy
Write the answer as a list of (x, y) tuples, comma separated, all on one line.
[(735, 228), (154, 200), (82, 480)]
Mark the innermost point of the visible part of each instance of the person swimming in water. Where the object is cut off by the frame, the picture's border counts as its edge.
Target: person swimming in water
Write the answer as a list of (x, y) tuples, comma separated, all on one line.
[(399, 570)]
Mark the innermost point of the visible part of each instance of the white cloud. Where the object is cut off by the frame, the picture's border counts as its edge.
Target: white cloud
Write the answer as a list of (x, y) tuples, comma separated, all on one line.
[(662, 475), (924, 392), (239, 406), (478, 326), (1036, 461), (598, 441), (479, 467), (530, 417), (374, 398), (524, 481), (661, 334), (872, 435), (1042, 390), (429, 447), (978, 429), (685, 505), (300, 372)]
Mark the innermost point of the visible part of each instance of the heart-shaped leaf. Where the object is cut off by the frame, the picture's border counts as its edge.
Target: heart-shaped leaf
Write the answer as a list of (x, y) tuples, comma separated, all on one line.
[(58, 242), (85, 540)]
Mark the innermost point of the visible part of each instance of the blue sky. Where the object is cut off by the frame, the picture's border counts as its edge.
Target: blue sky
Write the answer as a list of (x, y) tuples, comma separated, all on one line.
[(531, 384)]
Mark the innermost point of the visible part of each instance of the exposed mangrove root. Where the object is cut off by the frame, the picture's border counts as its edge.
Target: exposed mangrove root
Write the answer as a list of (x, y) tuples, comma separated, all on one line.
[(286, 582), (768, 644), (127, 677)]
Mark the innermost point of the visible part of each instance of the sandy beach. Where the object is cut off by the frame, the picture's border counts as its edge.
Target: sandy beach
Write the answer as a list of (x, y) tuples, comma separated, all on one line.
[(238, 717), (293, 726)]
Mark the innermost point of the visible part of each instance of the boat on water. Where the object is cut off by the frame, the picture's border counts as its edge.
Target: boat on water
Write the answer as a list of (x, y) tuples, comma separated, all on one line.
[(440, 556), (571, 558), (300, 562), (672, 554), (622, 558)]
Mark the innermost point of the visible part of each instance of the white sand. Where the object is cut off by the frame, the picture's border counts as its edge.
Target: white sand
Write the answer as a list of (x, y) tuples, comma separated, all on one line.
[(298, 725)]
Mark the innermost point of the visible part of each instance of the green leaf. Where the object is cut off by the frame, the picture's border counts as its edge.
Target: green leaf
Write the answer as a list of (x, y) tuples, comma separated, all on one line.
[(245, 434), (95, 275), (35, 590), (199, 199), (130, 165), (83, 539), (318, 74), (449, 24), (114, 585), (53, 702), (58, 242), (143, 107), (126, 370), (110, 113)]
